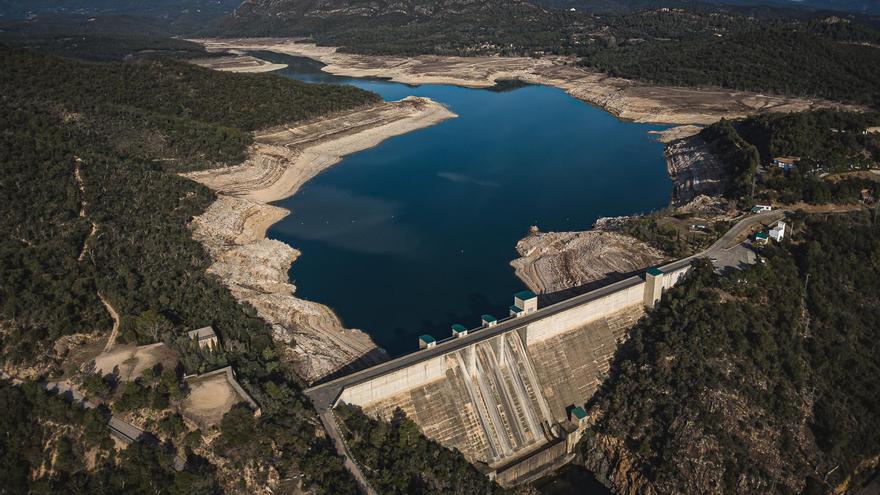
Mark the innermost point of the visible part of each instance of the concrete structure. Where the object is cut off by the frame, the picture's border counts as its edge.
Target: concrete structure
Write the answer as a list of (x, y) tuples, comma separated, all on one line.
[(761, 238), (229, 375), (786, 162), (505, 396), (204, 337), (777, 233), (527, 300), (653, 287), (503, 393), (459, 330), (426, 341), (761, 208)]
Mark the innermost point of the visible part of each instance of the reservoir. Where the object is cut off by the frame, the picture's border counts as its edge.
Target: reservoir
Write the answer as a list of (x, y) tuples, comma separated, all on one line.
[(416, 234)]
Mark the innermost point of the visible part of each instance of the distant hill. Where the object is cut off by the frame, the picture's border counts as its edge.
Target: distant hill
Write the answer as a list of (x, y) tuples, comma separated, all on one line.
[(112, 17), (164, 8), (808, 54), (870, 7)]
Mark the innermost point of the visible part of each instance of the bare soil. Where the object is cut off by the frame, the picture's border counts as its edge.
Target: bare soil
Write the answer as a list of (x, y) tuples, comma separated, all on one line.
[(255, 268), (624, 98)]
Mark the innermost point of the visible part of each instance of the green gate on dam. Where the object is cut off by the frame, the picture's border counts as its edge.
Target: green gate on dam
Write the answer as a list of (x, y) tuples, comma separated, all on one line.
[(503, 393)]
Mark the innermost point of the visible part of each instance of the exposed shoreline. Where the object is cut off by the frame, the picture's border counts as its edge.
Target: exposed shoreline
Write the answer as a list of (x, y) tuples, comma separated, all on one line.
[(236, 61), (625, 99), (254, 268)]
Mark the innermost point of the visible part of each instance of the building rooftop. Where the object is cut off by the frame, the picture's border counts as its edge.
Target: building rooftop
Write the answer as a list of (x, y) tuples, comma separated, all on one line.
[(458, 328), (201, 333), (524, 294), (516, 309), (427, 338), (762, 235), (786, 159), (488, 318), (654, 272), (579, 413)]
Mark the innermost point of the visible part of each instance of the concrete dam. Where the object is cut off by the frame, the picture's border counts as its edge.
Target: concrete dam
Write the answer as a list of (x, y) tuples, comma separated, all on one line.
[(511, 393)]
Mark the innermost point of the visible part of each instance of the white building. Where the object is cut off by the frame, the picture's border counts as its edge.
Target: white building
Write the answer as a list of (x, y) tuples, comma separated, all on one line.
[(761, 208), (777, 233)]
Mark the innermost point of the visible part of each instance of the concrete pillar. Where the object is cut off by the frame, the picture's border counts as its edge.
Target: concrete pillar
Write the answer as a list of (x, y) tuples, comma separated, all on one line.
[(653, 287), (472, 359), (526, 300), (499, 348)]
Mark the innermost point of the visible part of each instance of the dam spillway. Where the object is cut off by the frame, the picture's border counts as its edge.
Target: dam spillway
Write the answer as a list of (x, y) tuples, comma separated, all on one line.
[(504, 394)]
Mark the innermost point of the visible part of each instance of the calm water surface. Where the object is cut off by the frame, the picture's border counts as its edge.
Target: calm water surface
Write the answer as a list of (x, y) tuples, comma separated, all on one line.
[(417, 233)]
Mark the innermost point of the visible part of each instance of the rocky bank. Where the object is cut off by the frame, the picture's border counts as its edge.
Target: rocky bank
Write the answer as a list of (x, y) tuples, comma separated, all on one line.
[(630, 100), (233, 229)]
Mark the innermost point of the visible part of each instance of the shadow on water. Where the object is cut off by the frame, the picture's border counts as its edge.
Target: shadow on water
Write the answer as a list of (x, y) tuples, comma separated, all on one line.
[(417, 233), (571, 480)]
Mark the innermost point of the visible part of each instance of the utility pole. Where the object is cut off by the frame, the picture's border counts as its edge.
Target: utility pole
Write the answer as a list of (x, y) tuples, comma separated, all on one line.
[(754, 183), (806, 311)]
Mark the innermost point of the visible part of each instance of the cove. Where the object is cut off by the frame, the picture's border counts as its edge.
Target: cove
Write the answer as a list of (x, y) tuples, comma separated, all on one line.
[(417, 233)]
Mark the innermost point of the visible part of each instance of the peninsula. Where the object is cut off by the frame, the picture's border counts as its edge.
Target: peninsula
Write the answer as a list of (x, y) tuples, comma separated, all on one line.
[(626, 99)]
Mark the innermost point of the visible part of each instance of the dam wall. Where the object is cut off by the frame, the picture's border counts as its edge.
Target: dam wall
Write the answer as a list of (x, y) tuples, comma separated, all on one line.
[(631, 295), (504, 394), (384, 386)]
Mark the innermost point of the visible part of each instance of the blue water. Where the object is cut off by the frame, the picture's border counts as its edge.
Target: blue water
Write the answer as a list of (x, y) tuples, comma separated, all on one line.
[(417, 233)]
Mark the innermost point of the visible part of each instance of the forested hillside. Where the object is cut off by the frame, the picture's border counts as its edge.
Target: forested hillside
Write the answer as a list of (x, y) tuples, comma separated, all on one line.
[(762, 381), (401, 461), (100, 144), (777, 51), (831, 152), (71, 451)]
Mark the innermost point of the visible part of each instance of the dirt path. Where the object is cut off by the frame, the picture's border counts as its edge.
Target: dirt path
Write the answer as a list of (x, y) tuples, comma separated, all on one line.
[(85, 247), (111, 341), (328, 418), (82, 209)]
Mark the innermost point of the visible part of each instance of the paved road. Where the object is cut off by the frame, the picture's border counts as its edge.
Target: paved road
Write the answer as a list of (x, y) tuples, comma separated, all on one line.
[(324, 395), (121, 429), (328, 419)]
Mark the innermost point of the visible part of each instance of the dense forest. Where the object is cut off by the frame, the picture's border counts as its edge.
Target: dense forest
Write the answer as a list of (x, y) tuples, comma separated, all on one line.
[(84, 460), (777, 60), (820, 142), (773, 50), (104, 48), (401, 461), (106, 139), (740, 157), (760, 381), (101, 146)]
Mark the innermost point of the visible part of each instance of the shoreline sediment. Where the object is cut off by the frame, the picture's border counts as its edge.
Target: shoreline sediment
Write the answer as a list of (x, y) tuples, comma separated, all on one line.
[(623, 98), (255, 268)]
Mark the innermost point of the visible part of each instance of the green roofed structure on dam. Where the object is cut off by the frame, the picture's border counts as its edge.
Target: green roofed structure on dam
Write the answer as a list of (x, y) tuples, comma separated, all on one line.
[(503, 395), (488, 393)]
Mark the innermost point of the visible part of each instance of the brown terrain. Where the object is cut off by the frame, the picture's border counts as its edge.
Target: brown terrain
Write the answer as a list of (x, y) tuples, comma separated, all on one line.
[(235, 61), (694, 170), (624, 98), (558, 261), (255, 268)]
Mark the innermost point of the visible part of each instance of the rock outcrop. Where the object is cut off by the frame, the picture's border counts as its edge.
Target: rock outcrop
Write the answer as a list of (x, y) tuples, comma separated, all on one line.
[(255, 268), (558, 261)]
